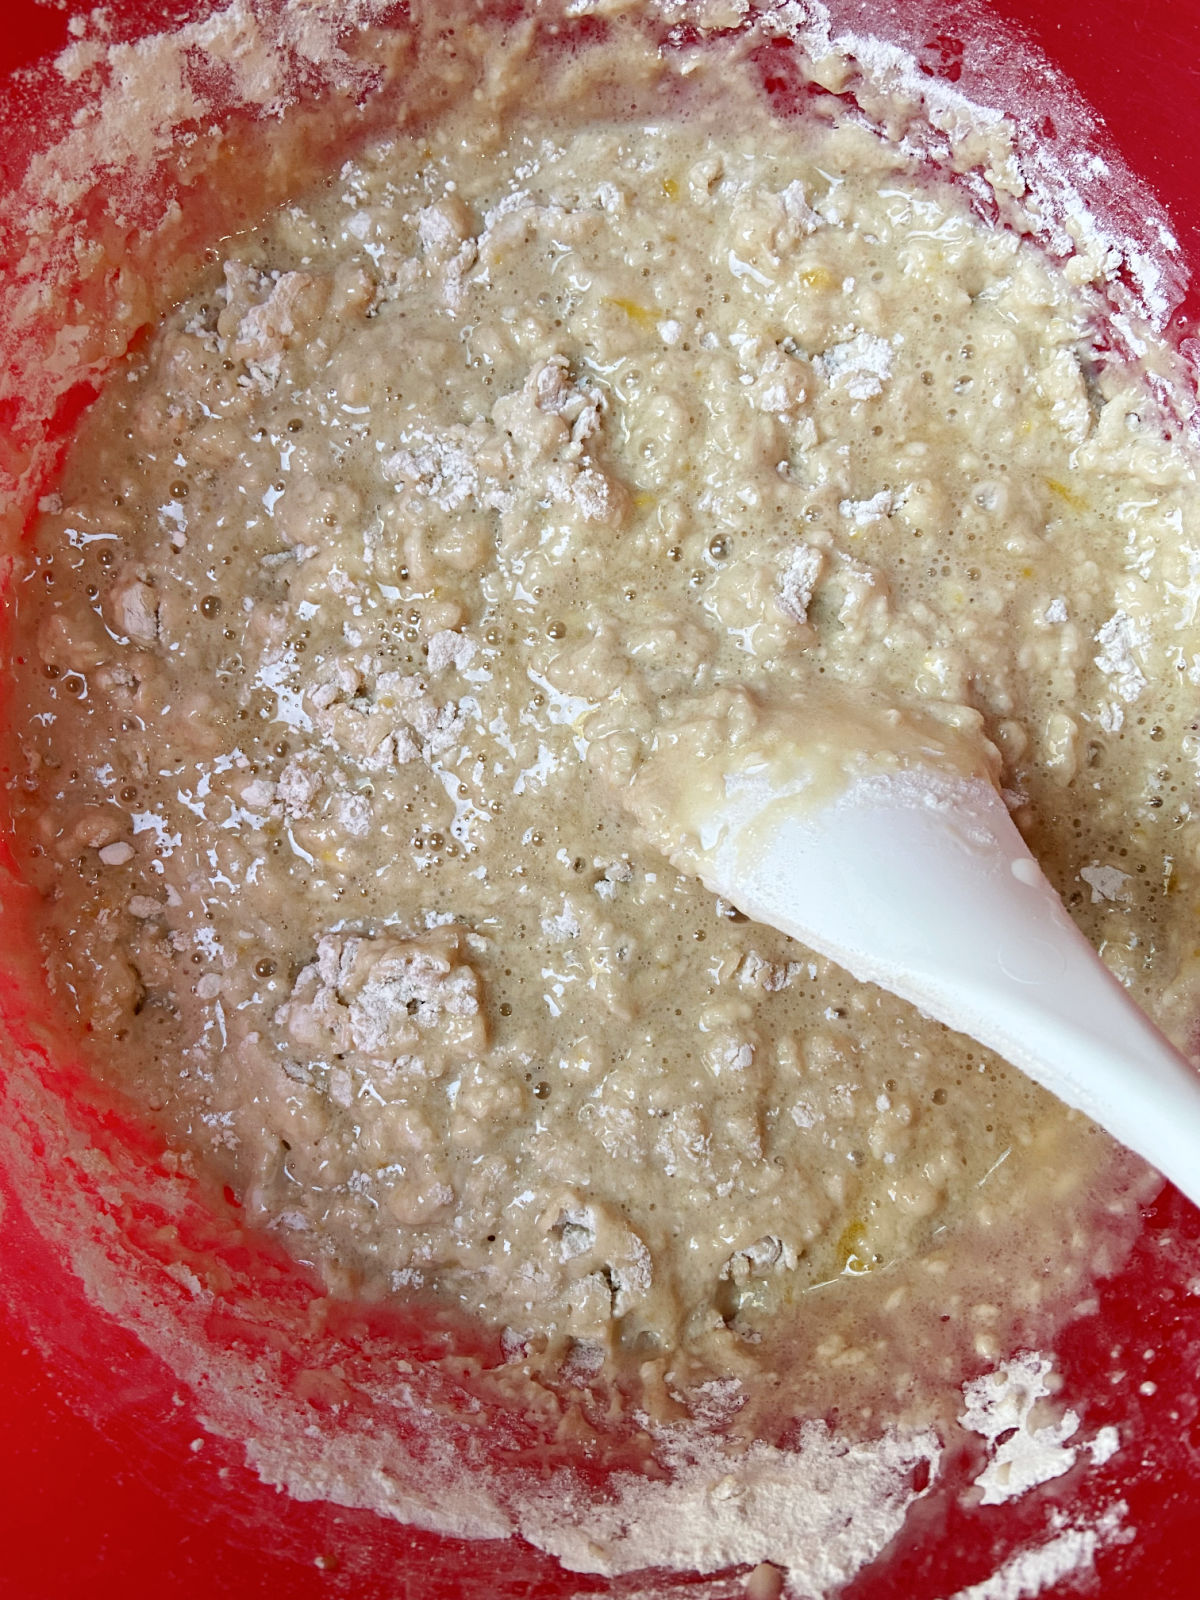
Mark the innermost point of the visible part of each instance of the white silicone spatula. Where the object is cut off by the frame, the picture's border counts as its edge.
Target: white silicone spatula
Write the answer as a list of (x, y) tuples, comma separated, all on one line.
[(917, 879)]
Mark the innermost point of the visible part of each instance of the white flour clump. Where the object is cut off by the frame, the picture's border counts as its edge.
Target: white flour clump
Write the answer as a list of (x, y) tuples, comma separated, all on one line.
[(1121, 639), (1106, 883), (820, 1512), (1073, 1550), (861, 366), (799, 580), (1002, 1403)]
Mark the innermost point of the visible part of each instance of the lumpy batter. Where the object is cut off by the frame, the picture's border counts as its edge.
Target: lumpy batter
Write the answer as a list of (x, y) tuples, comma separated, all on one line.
[(373, 578)]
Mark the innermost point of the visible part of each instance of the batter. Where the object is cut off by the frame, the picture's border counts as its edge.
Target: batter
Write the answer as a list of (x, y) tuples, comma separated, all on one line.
[(376, 574)]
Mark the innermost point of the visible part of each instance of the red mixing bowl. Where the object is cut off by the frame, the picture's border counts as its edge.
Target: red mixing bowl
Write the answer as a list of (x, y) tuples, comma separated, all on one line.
[(108, 1483)]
